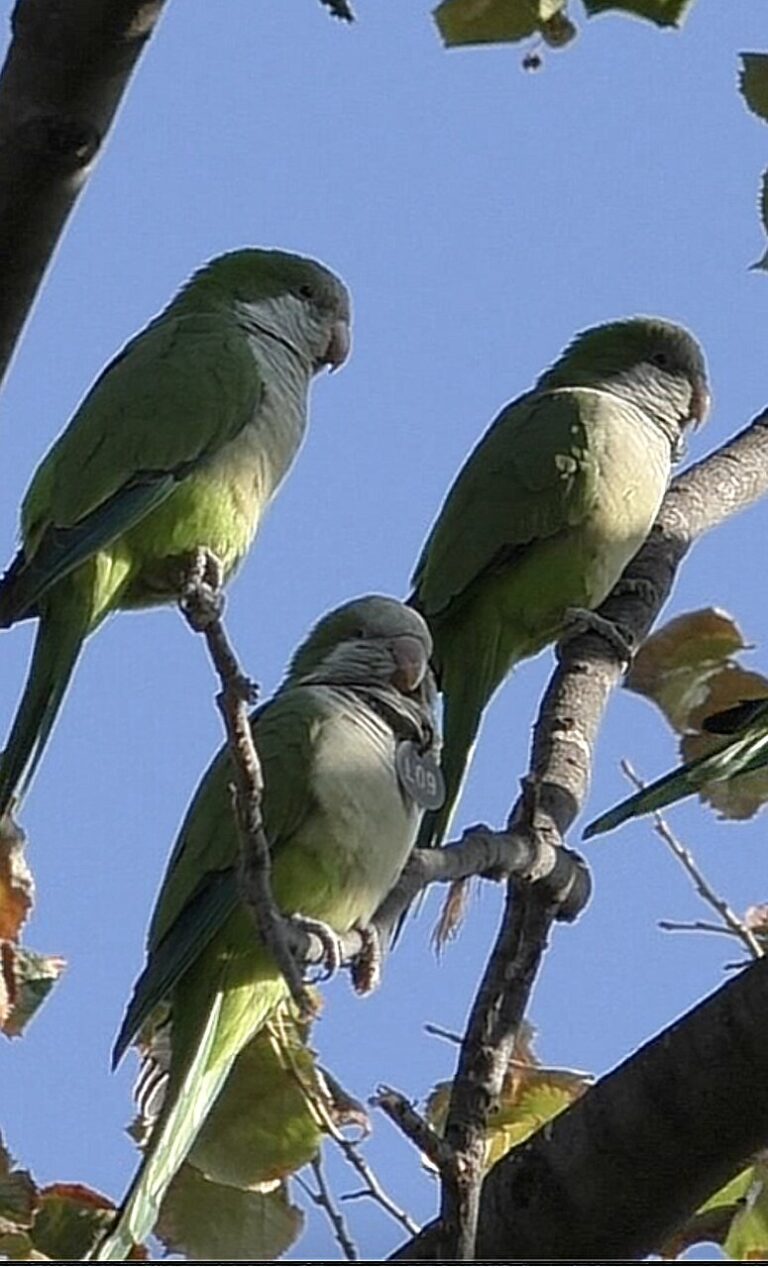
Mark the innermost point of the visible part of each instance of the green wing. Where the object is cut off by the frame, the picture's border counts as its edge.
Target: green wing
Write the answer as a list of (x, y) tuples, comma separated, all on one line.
[(178, 392), (530, 477), (200, 889)]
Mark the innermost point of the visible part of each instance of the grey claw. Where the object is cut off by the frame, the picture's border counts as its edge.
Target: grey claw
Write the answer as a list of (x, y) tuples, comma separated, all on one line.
[(328, 938), (581, 621)]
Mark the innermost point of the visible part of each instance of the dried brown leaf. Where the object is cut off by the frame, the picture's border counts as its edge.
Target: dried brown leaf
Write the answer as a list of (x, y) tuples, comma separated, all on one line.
[(17, 887)]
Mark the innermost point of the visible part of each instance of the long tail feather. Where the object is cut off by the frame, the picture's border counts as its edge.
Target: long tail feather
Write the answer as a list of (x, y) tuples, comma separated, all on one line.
[(204, 1048), (57, 647), (171, 1141), (747, 753)]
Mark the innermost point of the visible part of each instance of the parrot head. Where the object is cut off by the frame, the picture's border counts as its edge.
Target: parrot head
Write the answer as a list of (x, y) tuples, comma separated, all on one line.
[(654, 363), (296, 300), (371, 641)]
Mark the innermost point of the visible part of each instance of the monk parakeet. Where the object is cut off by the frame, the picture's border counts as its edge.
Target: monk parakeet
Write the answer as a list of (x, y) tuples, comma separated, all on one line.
[(340, 744), (747, 750), (180, 445), (546, 512)]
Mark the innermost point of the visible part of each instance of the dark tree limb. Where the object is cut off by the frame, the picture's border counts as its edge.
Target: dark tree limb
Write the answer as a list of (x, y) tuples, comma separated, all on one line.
[(564, 737), (66, 69), (617, 1173)]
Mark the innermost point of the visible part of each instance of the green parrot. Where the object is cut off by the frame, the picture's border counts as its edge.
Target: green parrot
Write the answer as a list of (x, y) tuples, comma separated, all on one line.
[(747, 751), (179, 446), (341, 808), (546, 512)]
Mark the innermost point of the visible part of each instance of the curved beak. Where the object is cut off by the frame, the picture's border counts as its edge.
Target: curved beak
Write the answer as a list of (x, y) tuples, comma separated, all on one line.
[(701, 400), (411, 662), (338, 345)]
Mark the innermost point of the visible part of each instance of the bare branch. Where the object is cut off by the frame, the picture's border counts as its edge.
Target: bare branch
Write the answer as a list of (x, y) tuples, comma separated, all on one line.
[(403, 1114), (66, 69), (201, 604), (324, 1198), (731, 922), (321, 1101)]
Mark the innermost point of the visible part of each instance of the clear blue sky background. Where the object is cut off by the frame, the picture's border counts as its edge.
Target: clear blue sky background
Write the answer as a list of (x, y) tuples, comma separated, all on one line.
[(480, 216)]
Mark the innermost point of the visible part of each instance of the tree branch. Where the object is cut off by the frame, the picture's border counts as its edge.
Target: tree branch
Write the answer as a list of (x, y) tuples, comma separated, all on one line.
[(613, 1176), (564, 738), (66, 69), (201, 604)]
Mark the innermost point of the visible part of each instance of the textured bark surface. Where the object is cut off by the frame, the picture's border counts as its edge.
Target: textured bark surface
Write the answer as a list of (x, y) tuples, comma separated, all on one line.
[(64, 75), (605, 1192)]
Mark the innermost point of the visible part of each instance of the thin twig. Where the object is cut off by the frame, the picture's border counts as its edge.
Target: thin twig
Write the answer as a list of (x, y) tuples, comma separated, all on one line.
[(324, 1199), (730, 920), (452, 1036), (319, 1103), (202, 604), (696, 926), (402, 1113), (339, 9)]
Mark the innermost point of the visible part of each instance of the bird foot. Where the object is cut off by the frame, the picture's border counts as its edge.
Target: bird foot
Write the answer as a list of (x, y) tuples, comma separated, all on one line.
[(365, 969), (202, 594), (581, 621), (328, 939)]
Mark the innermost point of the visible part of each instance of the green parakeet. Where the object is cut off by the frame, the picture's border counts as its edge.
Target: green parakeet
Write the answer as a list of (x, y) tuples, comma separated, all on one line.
[(180, 445), (341, 818), (546, 512), (747, 751)]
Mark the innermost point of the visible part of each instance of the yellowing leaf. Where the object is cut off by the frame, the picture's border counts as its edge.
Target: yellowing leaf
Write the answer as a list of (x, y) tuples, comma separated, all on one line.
[(494, 21), (531, 1096), (513, 1122), (747, 1239), (674, 667), (662, 12), (214, 1222), (753, 83)]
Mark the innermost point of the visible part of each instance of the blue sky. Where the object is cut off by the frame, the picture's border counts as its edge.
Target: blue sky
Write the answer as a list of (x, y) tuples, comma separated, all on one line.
[(480, 215)]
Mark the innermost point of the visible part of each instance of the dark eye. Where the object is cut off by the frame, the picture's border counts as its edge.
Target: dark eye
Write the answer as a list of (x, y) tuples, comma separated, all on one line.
[(660, 359), (306, 291)]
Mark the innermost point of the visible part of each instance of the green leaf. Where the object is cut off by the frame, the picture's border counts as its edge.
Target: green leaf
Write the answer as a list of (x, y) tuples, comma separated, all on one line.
[(26, 979), (753, 83), (662, 12), (17, 1248), (214, 1222), (70, 1218), (261, 1128), (499, 21), (18, 1196)]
